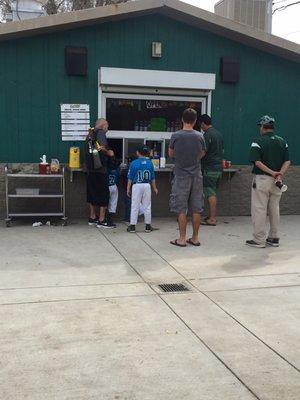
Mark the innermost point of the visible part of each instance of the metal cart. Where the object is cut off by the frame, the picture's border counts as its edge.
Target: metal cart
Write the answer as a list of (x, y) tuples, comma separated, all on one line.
[(61, 195)]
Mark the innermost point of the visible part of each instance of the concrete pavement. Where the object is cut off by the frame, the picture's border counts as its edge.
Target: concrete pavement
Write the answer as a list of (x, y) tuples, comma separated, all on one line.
[(82, 317)]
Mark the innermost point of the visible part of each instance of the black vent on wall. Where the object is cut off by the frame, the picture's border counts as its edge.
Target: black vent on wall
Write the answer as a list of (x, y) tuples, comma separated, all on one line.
[(76, 60), (230, 70)]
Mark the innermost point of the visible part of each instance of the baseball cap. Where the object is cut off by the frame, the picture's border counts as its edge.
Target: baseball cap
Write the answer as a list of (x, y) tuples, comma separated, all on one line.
[(266, 120), (143, 150)]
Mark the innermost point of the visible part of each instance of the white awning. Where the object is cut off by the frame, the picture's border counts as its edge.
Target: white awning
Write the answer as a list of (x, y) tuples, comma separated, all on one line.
[(156, 79)]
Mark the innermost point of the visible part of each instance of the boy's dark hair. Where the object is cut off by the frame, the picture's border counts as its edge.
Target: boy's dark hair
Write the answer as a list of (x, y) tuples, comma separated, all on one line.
[(189, 116), (206, 119), (144, 151)]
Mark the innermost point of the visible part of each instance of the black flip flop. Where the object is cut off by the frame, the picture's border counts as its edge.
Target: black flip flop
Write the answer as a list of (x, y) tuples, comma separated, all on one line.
[(175, 243), (189, 241), (205, 223)]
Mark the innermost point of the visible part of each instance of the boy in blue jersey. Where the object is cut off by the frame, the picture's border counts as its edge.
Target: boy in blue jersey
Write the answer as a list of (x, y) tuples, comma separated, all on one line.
[(113, 181), (140, 178)]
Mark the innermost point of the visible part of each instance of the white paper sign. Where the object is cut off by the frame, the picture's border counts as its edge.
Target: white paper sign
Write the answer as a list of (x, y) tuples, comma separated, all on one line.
[(75, 121)]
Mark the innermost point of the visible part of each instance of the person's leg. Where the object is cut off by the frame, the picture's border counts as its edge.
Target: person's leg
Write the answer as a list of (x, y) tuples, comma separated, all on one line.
[(196, 221), (182, 223), (180, 194), (211, 180), (92, 211), (259, 205), (103, 189), (196, 206), (136, 197), (212, 201), (274, 214), (146, 203)]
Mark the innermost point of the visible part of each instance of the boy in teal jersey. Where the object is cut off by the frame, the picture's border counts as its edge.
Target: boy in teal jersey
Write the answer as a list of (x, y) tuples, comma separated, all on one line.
[(140, 179)]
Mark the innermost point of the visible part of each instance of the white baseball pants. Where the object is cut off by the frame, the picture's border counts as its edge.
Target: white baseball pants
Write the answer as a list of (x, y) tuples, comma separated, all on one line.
[(141, 195), (113, 199)]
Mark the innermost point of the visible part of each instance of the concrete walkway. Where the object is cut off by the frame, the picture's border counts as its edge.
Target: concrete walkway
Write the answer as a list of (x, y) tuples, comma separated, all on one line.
[(82, 317)]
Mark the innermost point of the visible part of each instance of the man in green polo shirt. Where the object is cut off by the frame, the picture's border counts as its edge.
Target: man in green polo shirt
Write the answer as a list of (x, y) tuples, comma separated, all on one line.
[(211, 167), (270, 157)]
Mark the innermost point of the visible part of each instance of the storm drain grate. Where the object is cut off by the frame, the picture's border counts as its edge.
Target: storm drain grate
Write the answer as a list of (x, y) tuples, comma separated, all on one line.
[(173, 287)]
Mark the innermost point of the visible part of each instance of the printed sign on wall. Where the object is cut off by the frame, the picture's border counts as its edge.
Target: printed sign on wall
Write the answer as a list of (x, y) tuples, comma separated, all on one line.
[(75, 121)]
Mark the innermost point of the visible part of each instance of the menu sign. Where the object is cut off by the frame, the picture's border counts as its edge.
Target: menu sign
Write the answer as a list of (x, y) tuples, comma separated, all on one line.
[(75, 121)]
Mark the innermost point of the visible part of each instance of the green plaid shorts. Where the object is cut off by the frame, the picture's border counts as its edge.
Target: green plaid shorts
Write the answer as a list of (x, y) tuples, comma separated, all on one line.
[(211, 181)]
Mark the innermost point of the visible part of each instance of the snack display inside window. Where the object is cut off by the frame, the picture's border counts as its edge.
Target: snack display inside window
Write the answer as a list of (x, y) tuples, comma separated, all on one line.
[(147, 115)]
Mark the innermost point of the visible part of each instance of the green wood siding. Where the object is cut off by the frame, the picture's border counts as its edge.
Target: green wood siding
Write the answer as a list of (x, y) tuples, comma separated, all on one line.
[(34, 83)]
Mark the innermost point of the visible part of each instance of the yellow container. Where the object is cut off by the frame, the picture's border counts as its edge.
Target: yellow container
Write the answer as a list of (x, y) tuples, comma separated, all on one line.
[(74, 157)]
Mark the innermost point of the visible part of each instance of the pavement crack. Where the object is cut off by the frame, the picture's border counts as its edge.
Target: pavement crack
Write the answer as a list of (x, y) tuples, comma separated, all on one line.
[(252, 333)]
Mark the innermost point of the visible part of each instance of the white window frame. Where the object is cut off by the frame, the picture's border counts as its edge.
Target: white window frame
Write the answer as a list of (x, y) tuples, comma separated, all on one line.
[(147, 135)]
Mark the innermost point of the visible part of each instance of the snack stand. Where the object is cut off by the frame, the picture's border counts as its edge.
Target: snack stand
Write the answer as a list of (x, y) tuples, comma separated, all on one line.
[(145, 106)]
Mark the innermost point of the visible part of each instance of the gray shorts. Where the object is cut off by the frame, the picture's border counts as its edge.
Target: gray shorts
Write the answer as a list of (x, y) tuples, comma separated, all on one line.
[(187, 194)]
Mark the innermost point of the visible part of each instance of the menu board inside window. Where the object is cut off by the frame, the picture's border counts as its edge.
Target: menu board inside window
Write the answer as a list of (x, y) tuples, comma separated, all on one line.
[(147, 114)]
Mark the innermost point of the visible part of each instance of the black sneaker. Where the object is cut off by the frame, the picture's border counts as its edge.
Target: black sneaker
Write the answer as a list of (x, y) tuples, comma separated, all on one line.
[(131, 229), (272, 242), (93, 221), (148, 228), (252, 243), (106, 225)]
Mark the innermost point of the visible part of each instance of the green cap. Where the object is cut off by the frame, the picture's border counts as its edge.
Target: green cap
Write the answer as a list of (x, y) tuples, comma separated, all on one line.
[(266, 120)]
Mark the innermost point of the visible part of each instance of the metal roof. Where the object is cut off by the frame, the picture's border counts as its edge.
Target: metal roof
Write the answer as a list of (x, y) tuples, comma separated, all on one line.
[(174, 9)]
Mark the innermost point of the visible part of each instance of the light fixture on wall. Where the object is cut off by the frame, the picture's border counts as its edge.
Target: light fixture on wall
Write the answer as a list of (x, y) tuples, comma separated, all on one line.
[(156, 49)]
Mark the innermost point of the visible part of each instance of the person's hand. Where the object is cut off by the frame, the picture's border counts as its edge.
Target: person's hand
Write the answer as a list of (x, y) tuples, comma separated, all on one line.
[(110, 153), (128, 193), (277, 174), (278, 177), (156, 191)]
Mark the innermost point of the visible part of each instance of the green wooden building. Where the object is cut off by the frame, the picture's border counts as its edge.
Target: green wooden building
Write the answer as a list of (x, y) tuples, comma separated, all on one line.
[(34, 81)]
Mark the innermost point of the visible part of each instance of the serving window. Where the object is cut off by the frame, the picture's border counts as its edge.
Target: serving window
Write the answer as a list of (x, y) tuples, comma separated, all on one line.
[(136, 119)]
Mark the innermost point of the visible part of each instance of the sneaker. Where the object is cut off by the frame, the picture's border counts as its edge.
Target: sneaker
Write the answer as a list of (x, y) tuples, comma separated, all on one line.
[(148, 228), (93, 221), (131, 229), (272, 242), (252, 243), (106, 225)]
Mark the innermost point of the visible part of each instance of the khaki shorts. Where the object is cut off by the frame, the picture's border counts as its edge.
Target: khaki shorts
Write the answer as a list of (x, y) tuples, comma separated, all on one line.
[(187, 194)]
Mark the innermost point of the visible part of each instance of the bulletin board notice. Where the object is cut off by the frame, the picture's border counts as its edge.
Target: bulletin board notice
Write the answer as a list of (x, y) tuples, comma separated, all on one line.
[(75, 121)]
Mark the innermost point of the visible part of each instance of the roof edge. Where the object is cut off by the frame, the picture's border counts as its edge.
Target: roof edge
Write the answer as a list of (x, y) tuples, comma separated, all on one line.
[(175, 9)]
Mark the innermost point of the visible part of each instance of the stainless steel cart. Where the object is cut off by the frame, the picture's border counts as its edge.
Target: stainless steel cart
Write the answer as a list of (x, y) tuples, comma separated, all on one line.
[(61, 195)]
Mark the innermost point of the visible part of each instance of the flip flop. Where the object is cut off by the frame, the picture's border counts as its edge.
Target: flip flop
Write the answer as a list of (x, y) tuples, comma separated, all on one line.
[(189, 241), (175, 243), (207, 223)]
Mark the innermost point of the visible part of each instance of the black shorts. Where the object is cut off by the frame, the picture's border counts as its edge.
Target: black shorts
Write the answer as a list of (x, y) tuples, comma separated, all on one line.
[(97, 189)]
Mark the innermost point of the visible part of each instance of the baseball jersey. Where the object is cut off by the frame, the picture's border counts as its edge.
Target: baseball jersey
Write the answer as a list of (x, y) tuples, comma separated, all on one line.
[(270, 149), (113, 176), (141, 171)]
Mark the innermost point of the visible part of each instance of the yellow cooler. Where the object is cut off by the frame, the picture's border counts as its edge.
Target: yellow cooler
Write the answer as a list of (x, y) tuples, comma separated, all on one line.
[(74, 157)]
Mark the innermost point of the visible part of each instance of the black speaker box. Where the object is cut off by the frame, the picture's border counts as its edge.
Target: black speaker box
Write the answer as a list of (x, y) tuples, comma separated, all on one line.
[(230, 70), (76, 60)]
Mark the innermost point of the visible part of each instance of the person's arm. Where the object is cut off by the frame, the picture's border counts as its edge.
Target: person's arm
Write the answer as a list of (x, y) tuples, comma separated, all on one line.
[(129, 184), (285, 166), (171, 152), (154, 187), (203, 147), (266, 169)]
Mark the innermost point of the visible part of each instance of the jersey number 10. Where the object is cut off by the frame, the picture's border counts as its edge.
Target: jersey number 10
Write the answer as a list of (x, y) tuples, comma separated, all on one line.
[(143, 176)]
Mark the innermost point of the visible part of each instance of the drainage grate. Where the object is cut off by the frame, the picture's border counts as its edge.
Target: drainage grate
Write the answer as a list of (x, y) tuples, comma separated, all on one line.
[(173, 287)]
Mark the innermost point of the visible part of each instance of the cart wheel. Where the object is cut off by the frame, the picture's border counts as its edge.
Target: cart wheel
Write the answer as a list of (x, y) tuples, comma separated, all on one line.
[(64, 222), (8, 225)]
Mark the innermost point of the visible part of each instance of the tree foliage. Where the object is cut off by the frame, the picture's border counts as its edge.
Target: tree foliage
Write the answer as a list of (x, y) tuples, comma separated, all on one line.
[(59, 6)]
